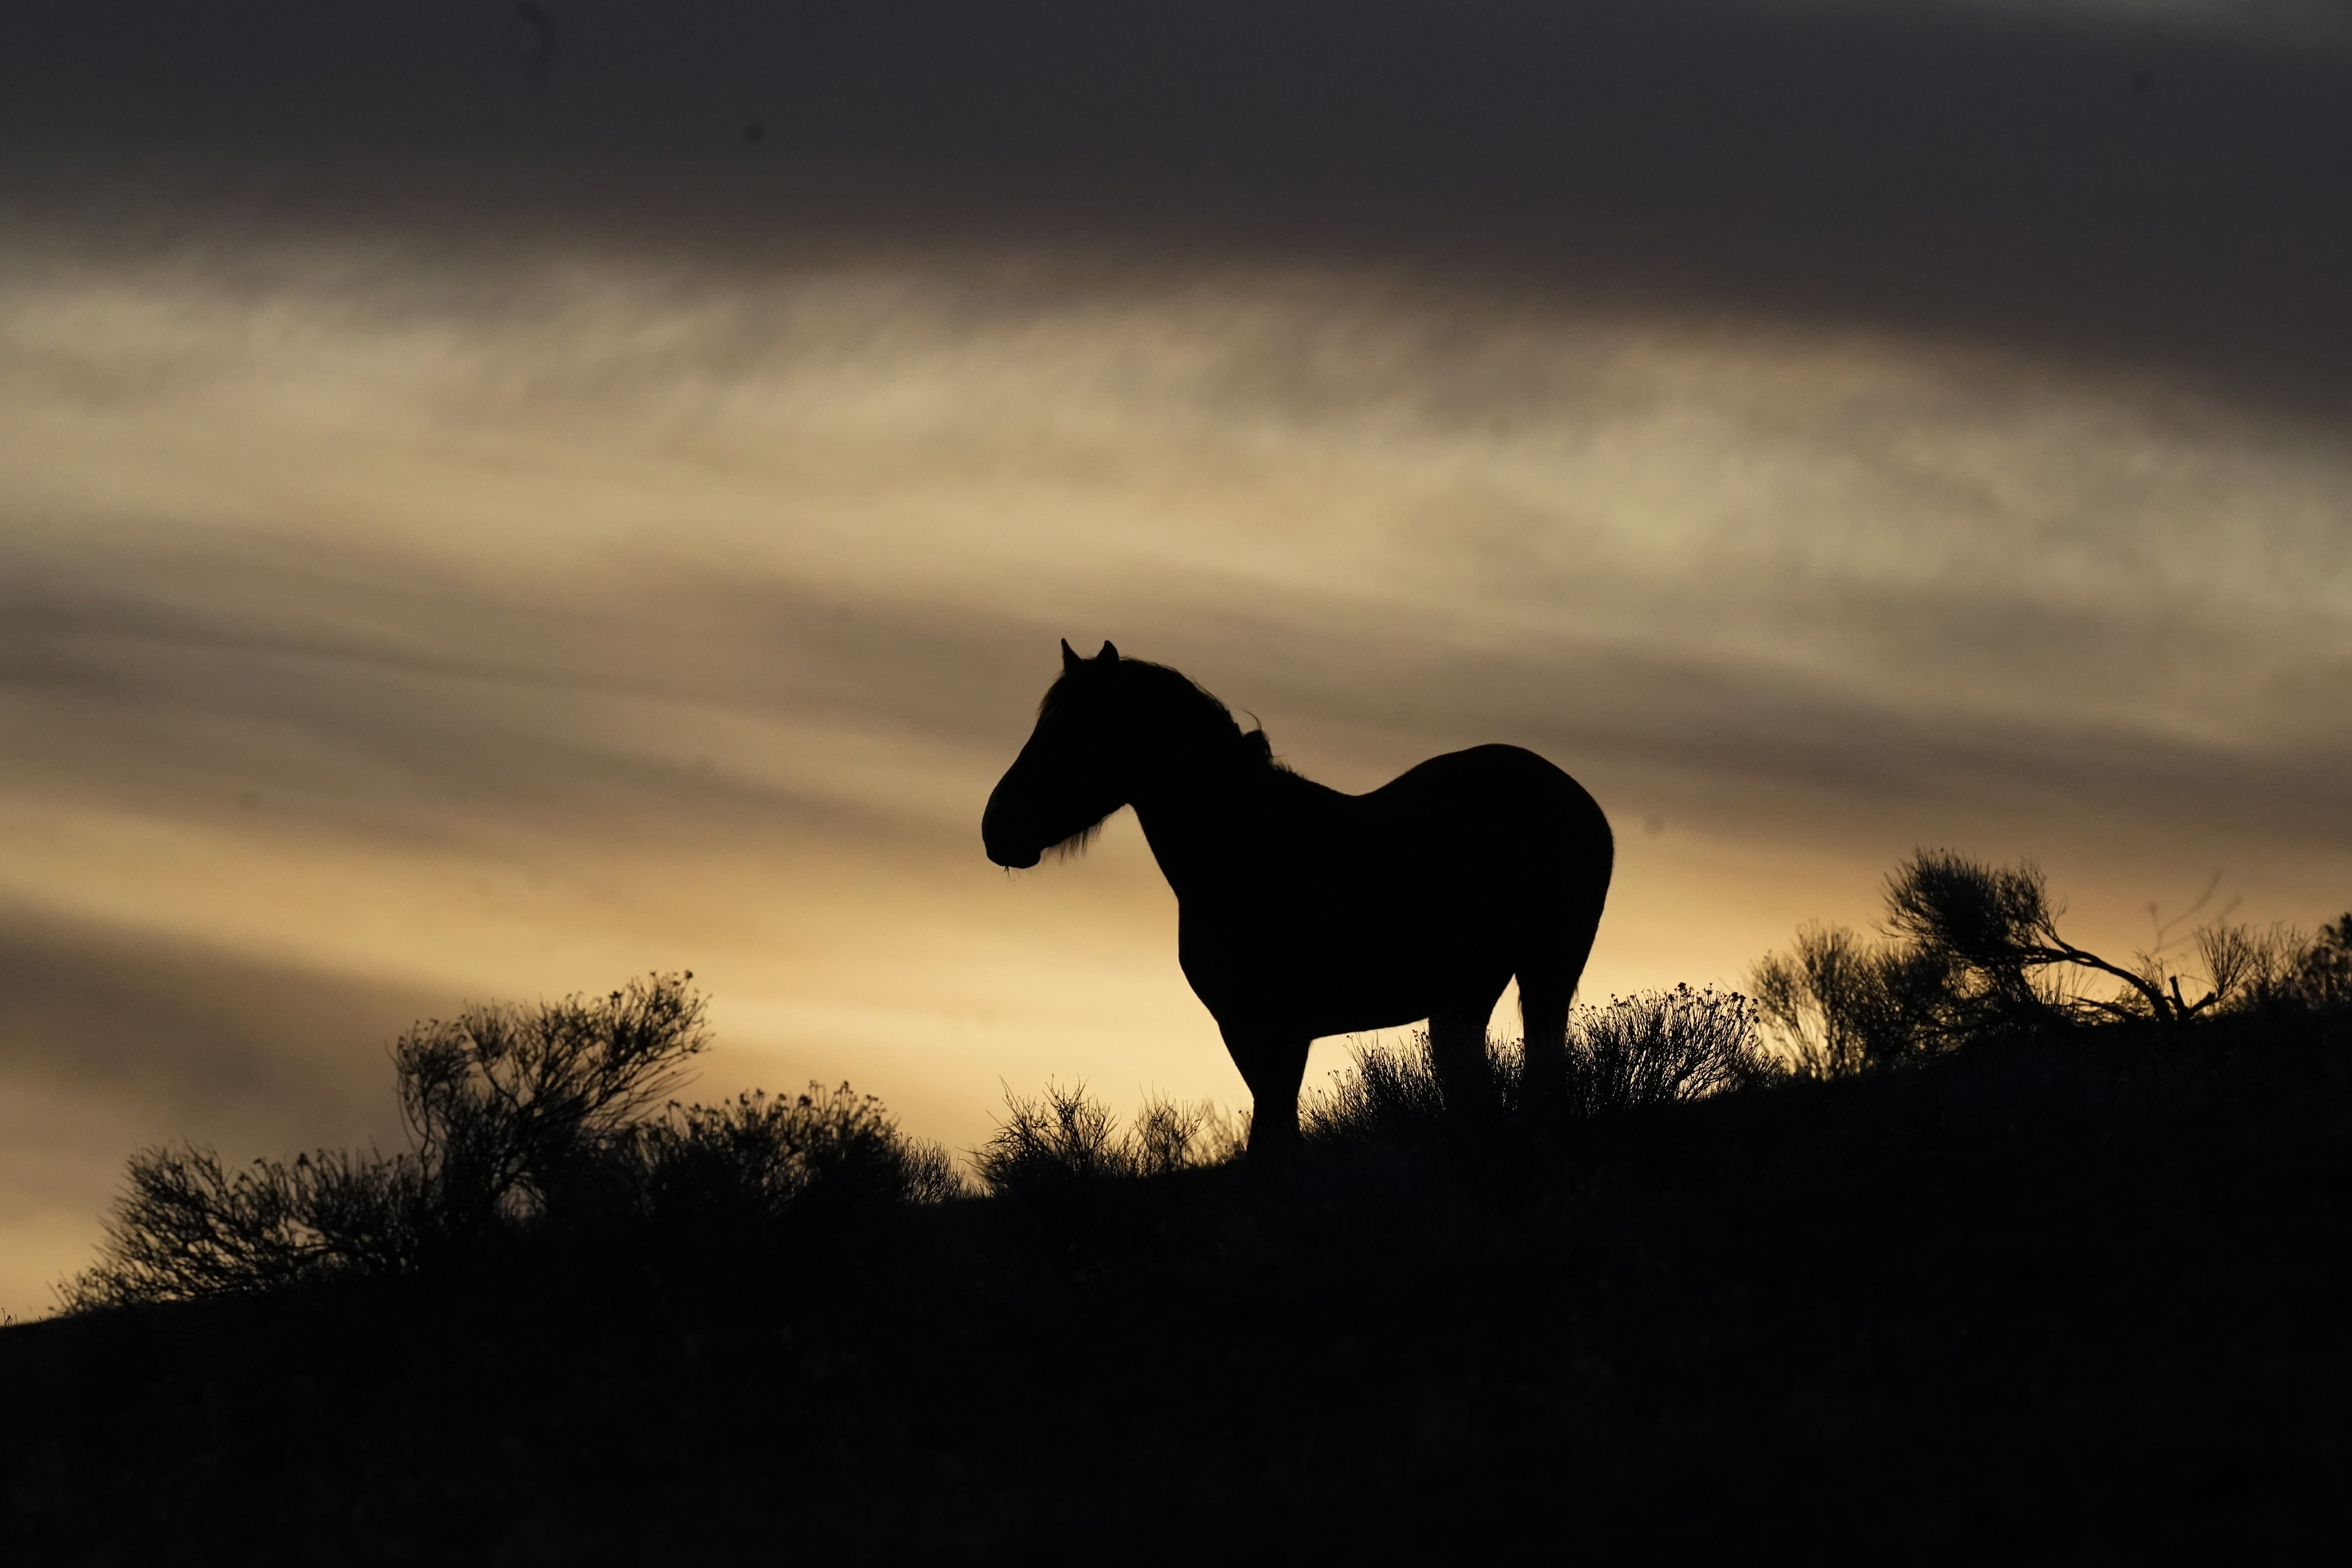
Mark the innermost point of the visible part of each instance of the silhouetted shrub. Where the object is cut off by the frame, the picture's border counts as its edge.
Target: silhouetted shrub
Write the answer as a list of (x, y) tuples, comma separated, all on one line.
[(1839, 1004), (1653, 1048), (522, 1121), (1169, 1136), (510, 1106), (188, 1228), (1061, 1138), (1661, 1047), (1973, 952), (756, 1159), (1388, 1094), (2322, 971), (2280, 969)]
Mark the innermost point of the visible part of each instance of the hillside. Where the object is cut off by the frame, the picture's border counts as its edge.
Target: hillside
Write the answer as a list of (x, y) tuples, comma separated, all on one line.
[(2072, 1296)]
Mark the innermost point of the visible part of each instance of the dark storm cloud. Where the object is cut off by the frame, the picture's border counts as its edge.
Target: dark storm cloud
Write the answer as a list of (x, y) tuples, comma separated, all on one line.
[(2152, 185)]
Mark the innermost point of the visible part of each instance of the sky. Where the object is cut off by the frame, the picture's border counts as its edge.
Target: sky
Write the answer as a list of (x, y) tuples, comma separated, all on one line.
[(492, 504)]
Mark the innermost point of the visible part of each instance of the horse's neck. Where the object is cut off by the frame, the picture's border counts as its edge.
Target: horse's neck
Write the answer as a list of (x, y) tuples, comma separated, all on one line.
[(1206, 825)]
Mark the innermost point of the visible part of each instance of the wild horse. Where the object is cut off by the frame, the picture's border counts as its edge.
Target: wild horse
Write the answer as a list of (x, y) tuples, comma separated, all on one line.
[(1304, 912)]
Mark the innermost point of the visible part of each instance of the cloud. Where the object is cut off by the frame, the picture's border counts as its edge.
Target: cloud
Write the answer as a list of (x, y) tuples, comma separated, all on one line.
[(2151, 184), (562, 537), (195, 1040), (113, 1038)]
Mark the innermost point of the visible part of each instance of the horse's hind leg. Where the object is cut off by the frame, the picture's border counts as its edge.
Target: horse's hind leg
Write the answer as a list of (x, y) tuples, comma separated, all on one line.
[(1543, 1026), (1546, 986), (1457, 1050)]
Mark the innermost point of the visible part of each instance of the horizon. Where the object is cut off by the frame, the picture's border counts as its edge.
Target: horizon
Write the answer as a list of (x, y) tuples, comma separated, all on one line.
[(483, 524)]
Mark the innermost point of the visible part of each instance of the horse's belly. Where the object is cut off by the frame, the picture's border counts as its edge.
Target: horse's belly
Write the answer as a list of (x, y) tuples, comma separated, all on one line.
[(1330, 979)]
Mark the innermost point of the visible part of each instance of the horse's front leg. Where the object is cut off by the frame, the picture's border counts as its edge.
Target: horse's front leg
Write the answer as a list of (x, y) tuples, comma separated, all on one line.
[(1272, 1063)]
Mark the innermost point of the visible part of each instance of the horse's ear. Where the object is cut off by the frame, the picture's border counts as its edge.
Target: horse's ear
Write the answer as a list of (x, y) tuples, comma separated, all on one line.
[(1069, 656), (1110, 655)]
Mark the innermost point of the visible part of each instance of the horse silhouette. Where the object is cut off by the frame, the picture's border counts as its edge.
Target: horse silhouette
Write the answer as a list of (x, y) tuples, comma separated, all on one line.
[(1306, 913)]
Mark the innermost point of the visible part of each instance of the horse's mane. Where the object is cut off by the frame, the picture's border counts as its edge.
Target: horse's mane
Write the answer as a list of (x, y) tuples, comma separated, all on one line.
[(1181, 701), (1182, 705)]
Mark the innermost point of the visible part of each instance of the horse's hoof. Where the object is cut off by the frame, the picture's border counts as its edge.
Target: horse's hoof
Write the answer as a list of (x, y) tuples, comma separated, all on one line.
[(1274, 1151)]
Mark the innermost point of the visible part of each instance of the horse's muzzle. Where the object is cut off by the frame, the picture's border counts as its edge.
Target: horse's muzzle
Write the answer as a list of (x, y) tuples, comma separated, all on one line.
[(995, 827)]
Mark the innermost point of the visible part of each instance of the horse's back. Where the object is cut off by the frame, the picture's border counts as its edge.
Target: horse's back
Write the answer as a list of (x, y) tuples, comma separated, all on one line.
[(1491, 790), (1494, 816), (1487, 767)]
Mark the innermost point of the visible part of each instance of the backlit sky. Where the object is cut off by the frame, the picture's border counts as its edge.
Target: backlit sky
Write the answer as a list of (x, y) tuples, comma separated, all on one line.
[(483, 520)]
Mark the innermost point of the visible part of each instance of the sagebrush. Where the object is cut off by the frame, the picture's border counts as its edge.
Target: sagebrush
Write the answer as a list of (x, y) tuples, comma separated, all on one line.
[(1062, 1137), (1652, 1049), (554, 1120), (521, 1121), (1971, 952)]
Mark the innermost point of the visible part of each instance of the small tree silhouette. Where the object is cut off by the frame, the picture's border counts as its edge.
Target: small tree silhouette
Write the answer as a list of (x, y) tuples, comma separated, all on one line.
[(1975, 950), (520, 1119), (505, 1106)]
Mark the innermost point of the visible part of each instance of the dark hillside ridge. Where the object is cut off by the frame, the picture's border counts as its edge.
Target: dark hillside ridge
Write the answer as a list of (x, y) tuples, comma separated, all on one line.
[(2058, 1298)]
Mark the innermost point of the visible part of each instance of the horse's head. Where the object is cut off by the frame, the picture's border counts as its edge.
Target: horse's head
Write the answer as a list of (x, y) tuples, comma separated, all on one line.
[(1071, 774)]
